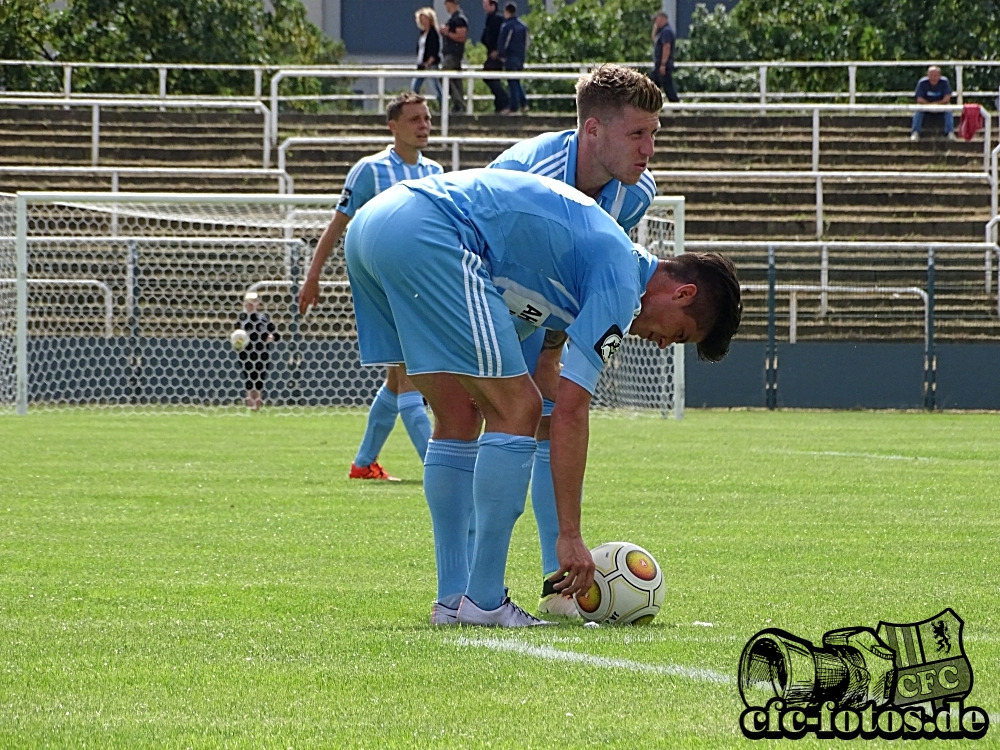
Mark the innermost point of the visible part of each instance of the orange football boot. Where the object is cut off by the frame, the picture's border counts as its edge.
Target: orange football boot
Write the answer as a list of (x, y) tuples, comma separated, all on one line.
[(373, 471)]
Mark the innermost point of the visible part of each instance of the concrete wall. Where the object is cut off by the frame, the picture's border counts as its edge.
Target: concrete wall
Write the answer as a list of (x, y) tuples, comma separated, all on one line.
[(828, 375), (844, 375)]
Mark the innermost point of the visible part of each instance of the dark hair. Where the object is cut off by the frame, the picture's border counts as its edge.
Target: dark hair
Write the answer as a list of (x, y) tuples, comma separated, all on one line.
[(718, 307), (608, 88), (395, 108), (511, 8)]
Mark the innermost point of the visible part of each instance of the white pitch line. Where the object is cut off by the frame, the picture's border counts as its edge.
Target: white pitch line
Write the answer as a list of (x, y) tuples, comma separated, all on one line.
[(575, 657), (844, 454)]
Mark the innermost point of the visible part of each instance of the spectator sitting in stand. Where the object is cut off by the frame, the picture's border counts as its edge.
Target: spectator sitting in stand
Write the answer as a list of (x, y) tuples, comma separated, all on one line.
[(933, 88), (513, 48)]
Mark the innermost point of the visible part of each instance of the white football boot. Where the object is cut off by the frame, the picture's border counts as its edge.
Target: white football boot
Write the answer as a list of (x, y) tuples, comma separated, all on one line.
[(558, 605), (507, 615), (441, 614), (555, 603)]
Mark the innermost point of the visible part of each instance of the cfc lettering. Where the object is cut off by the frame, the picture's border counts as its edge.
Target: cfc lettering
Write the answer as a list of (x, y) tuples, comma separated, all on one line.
[(924, 681)]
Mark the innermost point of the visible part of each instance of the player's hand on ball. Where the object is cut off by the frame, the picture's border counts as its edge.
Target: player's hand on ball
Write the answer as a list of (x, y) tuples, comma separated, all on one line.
[(308, 295), (575, 563)]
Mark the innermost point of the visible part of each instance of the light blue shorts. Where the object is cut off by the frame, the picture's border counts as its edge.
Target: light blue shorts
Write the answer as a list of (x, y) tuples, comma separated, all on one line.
[(420, 297), (531, 349)]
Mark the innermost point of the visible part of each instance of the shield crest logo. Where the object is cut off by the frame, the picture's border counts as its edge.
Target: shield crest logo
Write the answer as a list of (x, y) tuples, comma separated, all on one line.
[(931, 665)]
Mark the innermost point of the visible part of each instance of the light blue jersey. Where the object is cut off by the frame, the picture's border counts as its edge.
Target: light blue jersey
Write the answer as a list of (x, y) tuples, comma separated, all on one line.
[(554, 155), (522, 244), (378, 172)]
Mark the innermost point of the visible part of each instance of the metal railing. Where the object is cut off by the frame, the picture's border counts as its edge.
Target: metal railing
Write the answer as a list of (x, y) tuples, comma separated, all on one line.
[(363, 140), (380, 76), (826, 289), (109, 329), (114, 173), (818, 177), (988, 248), (762, 71), (97, 104), (817, 109)]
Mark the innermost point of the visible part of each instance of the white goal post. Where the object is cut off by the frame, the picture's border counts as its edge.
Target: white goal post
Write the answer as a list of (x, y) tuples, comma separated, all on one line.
[(127, 301)]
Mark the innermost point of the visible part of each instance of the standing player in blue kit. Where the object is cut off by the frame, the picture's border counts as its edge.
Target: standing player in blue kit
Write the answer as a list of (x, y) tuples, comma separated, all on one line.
[(410, 124), (605, 158)]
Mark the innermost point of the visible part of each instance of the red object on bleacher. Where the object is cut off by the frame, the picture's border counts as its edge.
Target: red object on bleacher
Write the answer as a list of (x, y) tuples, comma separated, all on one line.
[(972, 121)]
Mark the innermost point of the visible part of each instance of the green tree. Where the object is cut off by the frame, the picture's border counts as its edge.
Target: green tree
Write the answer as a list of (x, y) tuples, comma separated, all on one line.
[(588, 31), (26, 34), (829, 30), (164, 31), (591, 31), (715, 36)]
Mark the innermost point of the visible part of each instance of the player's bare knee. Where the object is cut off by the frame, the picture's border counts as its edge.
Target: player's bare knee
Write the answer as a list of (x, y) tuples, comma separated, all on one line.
[(544, 427), (526, 409), (392, 378)]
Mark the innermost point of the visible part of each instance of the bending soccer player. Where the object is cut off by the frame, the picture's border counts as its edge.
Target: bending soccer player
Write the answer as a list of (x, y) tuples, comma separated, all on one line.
[(448, 272), (604, 158), (410, 124)]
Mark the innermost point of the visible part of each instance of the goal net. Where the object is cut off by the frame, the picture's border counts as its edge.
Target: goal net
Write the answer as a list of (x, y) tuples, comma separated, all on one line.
[(131, 300), (641, 376)]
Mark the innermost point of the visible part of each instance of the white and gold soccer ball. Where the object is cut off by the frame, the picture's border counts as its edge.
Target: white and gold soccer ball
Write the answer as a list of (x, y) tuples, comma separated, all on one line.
[(239, 339), (628, 586)]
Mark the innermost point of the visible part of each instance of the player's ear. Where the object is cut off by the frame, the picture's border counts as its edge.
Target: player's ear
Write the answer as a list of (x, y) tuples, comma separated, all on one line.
[(685, 293), (590, 126), (393, 127)]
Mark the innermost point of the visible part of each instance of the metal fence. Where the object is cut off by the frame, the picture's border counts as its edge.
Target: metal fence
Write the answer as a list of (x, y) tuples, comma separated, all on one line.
[(97, 104), (763, 72)]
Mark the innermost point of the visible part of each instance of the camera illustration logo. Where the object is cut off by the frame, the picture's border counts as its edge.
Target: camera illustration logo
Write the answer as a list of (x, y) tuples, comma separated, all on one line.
[(898, 681)]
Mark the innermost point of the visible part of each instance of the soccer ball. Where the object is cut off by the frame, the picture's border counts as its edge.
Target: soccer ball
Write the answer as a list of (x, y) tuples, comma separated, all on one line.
[(239, 339), (627, 589)]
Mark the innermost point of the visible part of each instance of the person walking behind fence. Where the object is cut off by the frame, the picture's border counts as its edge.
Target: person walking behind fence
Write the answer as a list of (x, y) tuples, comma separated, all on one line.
[(664, 42), (933, 88), (428, 49), (489, 38), (256, 352), (455, 32), (513, 47)]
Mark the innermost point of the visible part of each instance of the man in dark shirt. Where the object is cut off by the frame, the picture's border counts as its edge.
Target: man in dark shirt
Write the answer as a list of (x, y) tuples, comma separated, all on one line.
[(664, 42), (933, 88), (491, 32), (453, 36), (257, 351), (513, 48)]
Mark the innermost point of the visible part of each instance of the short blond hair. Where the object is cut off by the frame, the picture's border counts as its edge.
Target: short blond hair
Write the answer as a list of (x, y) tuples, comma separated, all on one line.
[(609, 88), (429, 12)]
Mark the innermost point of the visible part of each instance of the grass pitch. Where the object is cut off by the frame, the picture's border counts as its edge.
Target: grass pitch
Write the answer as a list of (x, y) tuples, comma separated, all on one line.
[(183, 581)]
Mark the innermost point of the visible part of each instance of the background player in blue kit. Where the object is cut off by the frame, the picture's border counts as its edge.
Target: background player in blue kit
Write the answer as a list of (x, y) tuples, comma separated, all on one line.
[(605, 158), (448, 272), (410, 124)]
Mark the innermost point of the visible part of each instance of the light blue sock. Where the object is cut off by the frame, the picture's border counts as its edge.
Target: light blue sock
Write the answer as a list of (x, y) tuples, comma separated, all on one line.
[(543, 502), (472, 535), (449, 468), (381, 420), (415, 419), (503, 470)]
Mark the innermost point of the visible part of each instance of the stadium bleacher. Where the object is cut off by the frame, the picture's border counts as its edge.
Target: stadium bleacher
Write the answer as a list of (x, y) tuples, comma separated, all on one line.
[(719, 208)]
